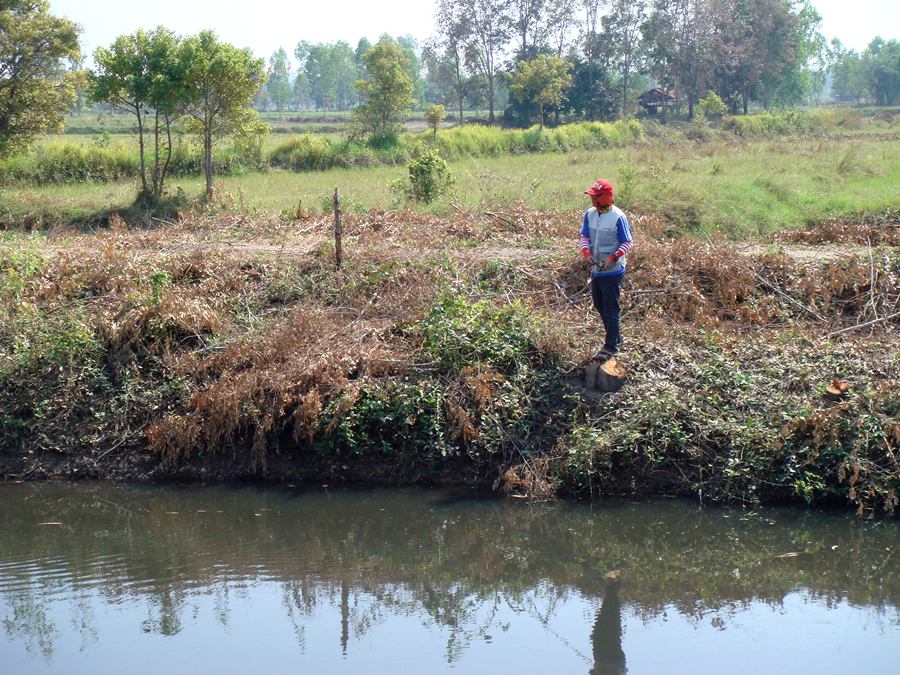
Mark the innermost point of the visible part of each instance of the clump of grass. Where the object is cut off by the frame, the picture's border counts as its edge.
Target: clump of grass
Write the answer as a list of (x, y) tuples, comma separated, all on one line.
[(65, 162)]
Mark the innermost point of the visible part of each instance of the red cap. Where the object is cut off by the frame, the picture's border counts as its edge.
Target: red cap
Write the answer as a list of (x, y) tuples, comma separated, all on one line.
[(602, 189)]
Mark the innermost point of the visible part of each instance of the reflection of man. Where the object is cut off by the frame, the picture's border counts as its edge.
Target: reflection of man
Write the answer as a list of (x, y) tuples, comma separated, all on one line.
[(609, 659)]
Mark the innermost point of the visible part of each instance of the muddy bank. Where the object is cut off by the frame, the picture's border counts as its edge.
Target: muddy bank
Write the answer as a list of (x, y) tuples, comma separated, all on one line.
[(448, 351)]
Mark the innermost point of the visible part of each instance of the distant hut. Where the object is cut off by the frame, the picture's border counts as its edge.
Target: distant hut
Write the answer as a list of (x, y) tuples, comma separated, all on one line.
[(655, 99)]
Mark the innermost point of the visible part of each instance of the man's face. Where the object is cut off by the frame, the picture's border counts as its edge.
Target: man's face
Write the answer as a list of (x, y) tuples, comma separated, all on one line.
[(596, 201)]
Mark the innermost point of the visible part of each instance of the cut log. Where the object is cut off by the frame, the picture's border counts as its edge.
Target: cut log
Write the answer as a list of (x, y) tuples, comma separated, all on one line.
[(607, 376)]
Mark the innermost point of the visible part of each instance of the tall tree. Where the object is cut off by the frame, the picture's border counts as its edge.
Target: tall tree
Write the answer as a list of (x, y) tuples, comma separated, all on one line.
[(361, 48), (881, 64), (386, 91), (449, 47), (331, 71), (600, 98), (680, 47), (623, 25), (529, 27), (795, 76), (659, 46), (410, 47), (35, 89), (300, 90), (141, 74), (220, 82), (279, 82), (489, 25), (592, 10), (561, 19)]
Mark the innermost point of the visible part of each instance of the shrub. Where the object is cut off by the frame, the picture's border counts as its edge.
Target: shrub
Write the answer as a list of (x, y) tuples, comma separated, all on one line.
[(712, 105), (429, 174)]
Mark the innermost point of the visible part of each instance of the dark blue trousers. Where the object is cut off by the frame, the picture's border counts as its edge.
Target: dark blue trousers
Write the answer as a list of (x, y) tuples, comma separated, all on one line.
[(605, 294)]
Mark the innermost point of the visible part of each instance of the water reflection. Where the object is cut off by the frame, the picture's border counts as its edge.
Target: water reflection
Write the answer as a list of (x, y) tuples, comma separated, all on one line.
[(606, 637), (298, 566)]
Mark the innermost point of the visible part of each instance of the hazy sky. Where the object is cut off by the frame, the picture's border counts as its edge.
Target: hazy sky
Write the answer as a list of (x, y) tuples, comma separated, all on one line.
[(265, 25)]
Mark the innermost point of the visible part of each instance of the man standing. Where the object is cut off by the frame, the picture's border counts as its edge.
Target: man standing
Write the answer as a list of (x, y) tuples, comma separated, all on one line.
[(605, 239)]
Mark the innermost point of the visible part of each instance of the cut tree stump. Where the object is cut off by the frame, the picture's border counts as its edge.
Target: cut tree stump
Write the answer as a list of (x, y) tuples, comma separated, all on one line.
[(607, 376)]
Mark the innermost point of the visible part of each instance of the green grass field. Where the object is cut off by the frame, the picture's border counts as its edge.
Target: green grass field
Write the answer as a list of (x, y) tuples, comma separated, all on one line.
[(745, 188)]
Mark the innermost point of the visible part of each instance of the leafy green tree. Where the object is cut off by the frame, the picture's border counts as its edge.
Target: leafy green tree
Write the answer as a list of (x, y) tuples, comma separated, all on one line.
[(410, 48), (387, 93), (361, 48), (35, 89), (592, 93), (791, 80), (142, 74), (712, 105), (331, 72), (881, 62), (435, 115), (848, 79), (542, 81), (300, 91), (220, 82), (279, 82)]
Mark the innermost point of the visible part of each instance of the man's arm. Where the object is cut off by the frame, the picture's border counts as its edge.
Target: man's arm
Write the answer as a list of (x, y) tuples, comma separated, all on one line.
[(585, 240), (626, 241)]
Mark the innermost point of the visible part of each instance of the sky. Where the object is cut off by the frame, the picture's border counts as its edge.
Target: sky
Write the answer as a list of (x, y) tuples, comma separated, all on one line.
[(265, 25)]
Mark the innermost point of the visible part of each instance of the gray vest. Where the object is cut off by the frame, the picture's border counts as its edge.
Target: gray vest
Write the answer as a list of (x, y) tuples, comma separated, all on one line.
[(605, 237)]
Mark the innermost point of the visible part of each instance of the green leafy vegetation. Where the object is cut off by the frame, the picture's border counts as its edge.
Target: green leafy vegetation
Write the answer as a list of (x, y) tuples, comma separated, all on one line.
[(35, 91), (429, 175)]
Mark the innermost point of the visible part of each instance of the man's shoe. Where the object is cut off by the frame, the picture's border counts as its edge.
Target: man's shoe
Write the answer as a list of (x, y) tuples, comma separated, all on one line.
[(604, 354)]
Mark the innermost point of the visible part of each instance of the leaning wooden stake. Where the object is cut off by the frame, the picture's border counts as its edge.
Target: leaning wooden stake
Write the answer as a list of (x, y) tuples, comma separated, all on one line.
[(338, 252)]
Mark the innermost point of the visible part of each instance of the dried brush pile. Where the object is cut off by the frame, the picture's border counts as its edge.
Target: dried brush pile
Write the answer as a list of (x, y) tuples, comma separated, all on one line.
[(448, 349), (875, 229)]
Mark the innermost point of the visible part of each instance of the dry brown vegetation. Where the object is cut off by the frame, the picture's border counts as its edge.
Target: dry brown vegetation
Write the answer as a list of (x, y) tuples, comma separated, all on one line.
[(456, 342)]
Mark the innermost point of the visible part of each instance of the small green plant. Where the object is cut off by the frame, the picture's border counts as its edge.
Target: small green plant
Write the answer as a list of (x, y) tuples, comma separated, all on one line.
[(160, 280), (435, 115), (429, 174), (712, 106), (18, 267), (460, 333)]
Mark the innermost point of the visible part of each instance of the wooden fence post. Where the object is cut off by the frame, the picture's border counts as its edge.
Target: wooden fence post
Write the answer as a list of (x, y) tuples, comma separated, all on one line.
[(338, 251)]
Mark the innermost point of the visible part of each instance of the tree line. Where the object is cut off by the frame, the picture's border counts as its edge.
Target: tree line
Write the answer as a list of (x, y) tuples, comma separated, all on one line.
[(769, 51), (325, 75), (574, 58), (587, 59)]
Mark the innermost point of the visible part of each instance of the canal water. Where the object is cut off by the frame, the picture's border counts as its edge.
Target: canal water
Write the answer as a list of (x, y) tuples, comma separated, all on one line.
[(98, 578)]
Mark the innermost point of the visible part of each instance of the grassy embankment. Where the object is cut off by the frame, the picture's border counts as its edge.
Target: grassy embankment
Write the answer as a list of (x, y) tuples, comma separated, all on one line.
[(448, 350)]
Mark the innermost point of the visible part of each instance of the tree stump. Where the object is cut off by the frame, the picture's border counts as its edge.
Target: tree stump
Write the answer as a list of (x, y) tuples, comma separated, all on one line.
[(608, 376)]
